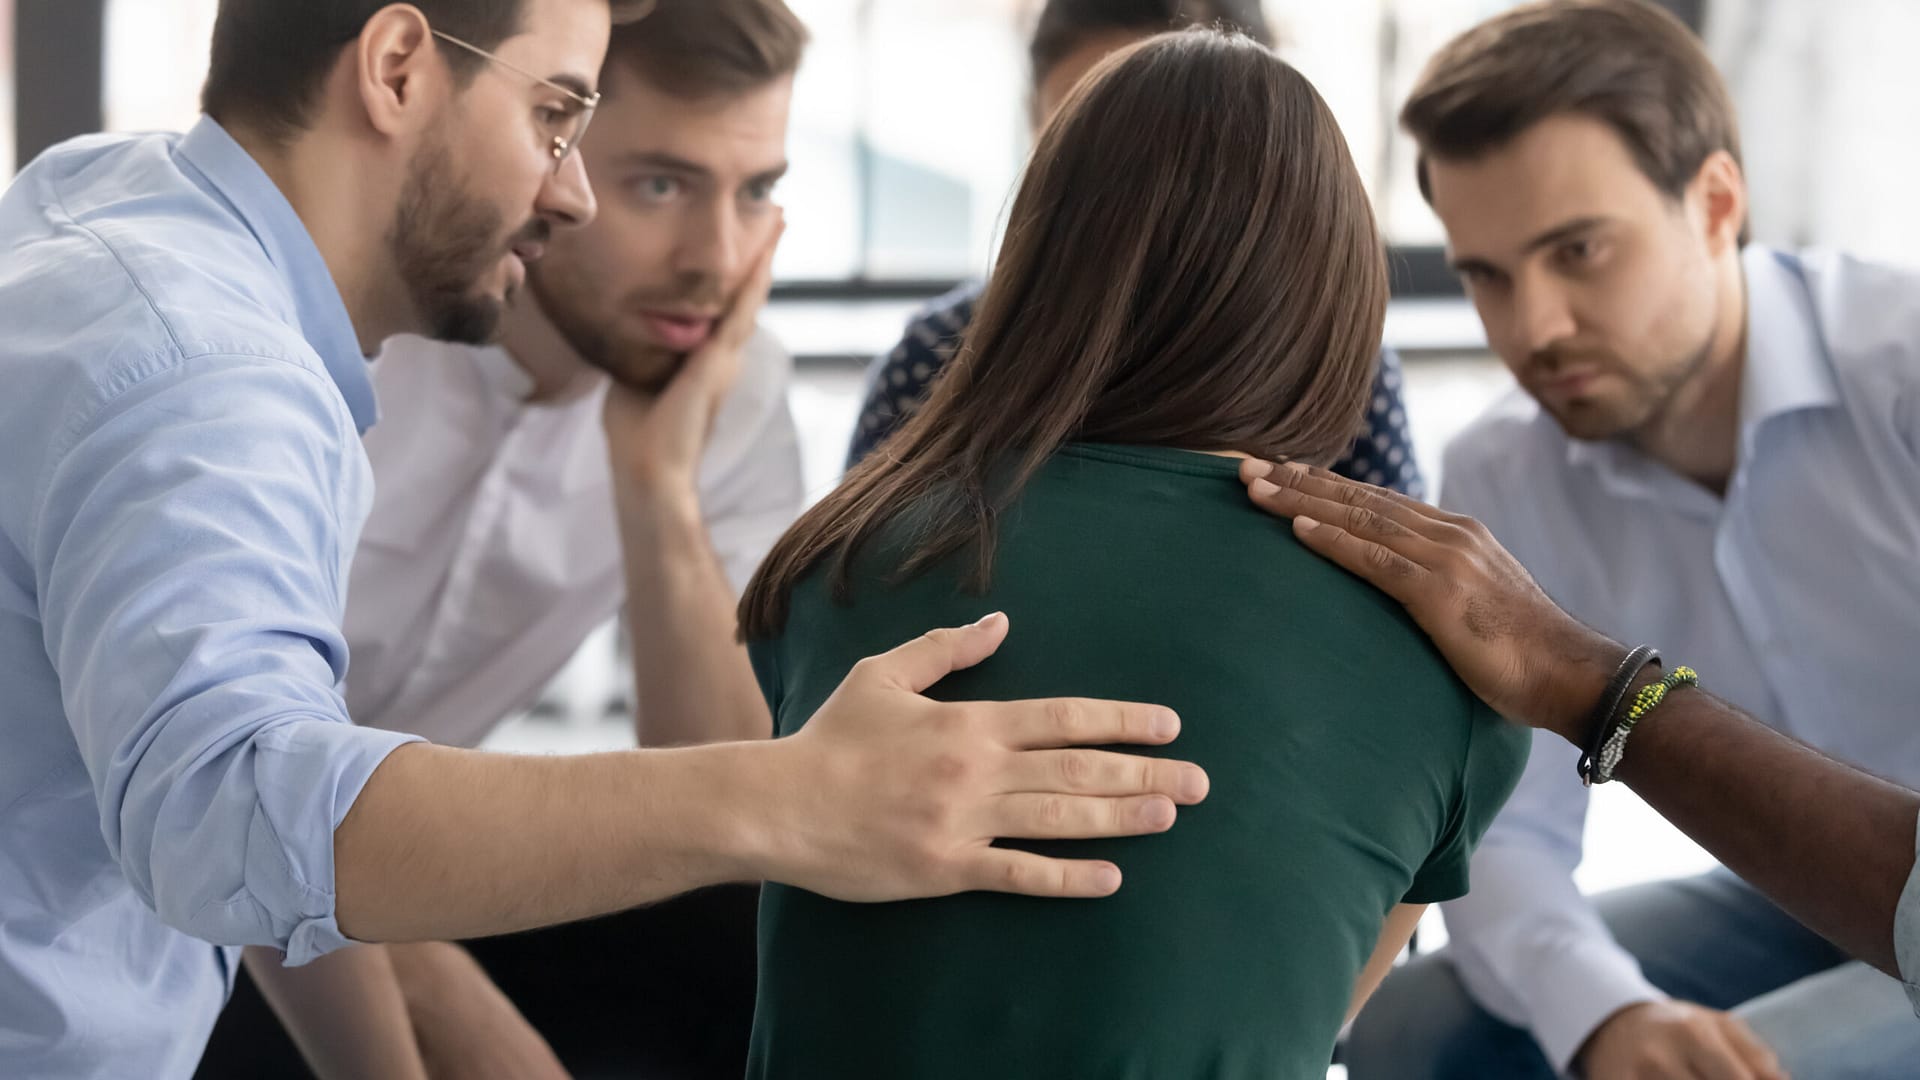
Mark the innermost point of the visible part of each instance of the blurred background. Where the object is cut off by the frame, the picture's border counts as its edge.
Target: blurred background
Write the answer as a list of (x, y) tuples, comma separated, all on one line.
[(910, 128)]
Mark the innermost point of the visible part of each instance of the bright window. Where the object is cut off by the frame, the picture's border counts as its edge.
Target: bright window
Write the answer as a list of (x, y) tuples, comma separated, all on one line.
[(910, 120)]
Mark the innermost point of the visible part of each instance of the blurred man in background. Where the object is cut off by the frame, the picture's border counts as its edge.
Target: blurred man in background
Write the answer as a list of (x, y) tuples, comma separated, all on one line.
[(524, 490)]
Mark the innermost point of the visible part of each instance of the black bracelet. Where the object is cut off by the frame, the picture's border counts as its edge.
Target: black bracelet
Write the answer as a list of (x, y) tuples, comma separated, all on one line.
[(1602, 723)]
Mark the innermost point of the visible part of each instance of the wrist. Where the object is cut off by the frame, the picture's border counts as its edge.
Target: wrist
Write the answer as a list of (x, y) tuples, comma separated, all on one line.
[(746, 819), (657, 493), (1578, 683)]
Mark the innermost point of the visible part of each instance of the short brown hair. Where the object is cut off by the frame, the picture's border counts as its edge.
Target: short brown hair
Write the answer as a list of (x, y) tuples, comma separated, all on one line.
[(697, 50), (1626, 63), (1174, 274), (269, 57)]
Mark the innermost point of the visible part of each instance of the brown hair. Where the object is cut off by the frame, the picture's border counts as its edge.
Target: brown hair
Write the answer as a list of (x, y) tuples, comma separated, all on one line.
[(1626, 63), (699, 50), (270, 57), (1174, 274)]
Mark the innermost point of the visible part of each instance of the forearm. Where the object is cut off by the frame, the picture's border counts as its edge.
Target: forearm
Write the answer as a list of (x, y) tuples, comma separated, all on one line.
[(450, 844), (345, 1012), (1830, 844), (466, 1027), (1395, 932), (694, 684)]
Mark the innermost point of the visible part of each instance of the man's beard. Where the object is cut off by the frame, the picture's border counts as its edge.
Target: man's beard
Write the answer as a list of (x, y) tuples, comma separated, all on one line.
[(1645, 401), (444, 243), (594, 334)]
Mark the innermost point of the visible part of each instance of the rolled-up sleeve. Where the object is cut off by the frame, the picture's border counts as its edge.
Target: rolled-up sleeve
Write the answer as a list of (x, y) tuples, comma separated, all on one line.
[(191, 553)]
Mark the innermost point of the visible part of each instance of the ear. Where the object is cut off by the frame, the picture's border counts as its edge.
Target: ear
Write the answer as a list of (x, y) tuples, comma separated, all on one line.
[(398, 71), (1720, 192)]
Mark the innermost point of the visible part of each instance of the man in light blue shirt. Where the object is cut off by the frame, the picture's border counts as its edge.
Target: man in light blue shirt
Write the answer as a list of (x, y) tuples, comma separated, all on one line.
[(1833, 845), (1715, 451), (185, 321)]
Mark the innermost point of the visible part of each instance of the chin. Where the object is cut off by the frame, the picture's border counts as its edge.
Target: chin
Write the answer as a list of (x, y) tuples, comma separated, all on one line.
[(646, 370), (1594, 421), (475, 320)]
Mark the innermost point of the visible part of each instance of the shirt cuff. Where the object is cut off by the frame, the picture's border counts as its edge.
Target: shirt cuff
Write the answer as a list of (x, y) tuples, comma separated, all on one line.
[(1571, 998), (1906, 933), (308, 775)]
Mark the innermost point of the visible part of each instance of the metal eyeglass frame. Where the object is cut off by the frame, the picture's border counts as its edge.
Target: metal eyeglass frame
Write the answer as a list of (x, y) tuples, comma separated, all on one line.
[(563, 145)]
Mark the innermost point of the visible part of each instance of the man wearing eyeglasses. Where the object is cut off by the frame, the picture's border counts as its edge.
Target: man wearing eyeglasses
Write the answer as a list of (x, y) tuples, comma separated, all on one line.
[(185, 325), (628, 439)]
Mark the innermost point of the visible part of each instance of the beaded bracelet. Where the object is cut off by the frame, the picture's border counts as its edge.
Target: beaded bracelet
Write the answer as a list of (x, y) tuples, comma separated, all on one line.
[(1648, 699), (1601, 723)]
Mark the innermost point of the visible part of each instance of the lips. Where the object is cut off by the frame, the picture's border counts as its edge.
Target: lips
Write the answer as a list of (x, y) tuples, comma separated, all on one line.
[(678, 331), (1570, 384)]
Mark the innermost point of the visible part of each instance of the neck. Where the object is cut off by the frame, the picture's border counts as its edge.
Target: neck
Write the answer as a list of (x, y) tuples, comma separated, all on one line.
[(543, 352), (323, 175), (1697, 432)]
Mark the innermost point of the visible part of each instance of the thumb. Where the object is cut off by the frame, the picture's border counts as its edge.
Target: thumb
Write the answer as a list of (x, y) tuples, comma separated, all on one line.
[(938, 653)]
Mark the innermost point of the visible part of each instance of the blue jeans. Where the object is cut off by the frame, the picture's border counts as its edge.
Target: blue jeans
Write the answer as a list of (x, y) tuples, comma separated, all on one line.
[(1712, 940)]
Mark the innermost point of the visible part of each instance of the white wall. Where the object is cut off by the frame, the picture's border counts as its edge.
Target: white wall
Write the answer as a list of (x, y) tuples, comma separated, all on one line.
[(1829, 95)]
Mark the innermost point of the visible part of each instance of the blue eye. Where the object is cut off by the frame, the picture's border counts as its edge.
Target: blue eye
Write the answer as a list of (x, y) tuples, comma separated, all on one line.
[(759, 192), (655, 188)]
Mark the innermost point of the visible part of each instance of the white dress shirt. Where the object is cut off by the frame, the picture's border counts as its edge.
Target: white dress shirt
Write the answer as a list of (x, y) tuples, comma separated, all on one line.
[(493, 550), (1797, 597)]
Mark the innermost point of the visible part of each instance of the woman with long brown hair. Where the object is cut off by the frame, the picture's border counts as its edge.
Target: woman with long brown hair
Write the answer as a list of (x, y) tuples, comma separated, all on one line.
[(1191, 273), (1070, 38)]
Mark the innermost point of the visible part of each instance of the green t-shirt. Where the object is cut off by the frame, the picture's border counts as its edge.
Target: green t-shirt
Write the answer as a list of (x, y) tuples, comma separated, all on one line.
[(1351, 771)]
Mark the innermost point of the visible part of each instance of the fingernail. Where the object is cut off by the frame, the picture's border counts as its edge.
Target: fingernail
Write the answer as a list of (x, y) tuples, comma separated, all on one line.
[(1263, 488), (1194, 785), (1304, 525), (1107, 879), (990, 620), (1158, 814), (1254, 467), (1165, 725), (1295, 466)]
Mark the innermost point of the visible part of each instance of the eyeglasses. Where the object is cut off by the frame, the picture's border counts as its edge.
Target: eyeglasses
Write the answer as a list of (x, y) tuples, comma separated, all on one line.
[(567, 126)]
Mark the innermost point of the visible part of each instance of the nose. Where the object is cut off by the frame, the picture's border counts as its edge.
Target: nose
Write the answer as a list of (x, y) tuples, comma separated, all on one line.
[(709, 245), (566, 198), (1541, 315)]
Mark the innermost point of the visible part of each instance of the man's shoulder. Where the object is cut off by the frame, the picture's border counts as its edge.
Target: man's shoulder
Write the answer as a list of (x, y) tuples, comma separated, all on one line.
[(118, 253), (1866, 313)]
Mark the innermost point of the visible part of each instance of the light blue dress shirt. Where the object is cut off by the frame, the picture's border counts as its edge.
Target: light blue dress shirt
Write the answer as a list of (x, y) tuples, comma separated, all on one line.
[(1797, 596), (181, 488)]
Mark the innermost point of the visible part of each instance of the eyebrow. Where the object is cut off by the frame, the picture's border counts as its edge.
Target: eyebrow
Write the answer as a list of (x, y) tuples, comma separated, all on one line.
[(572, 82), (1556, 235), (773, 175), (1562, 233), (653, 159)]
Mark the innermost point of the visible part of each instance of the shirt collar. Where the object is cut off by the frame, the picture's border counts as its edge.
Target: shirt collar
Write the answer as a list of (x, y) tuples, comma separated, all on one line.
[(1785, 370), (1787, 367), (321, 313)]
